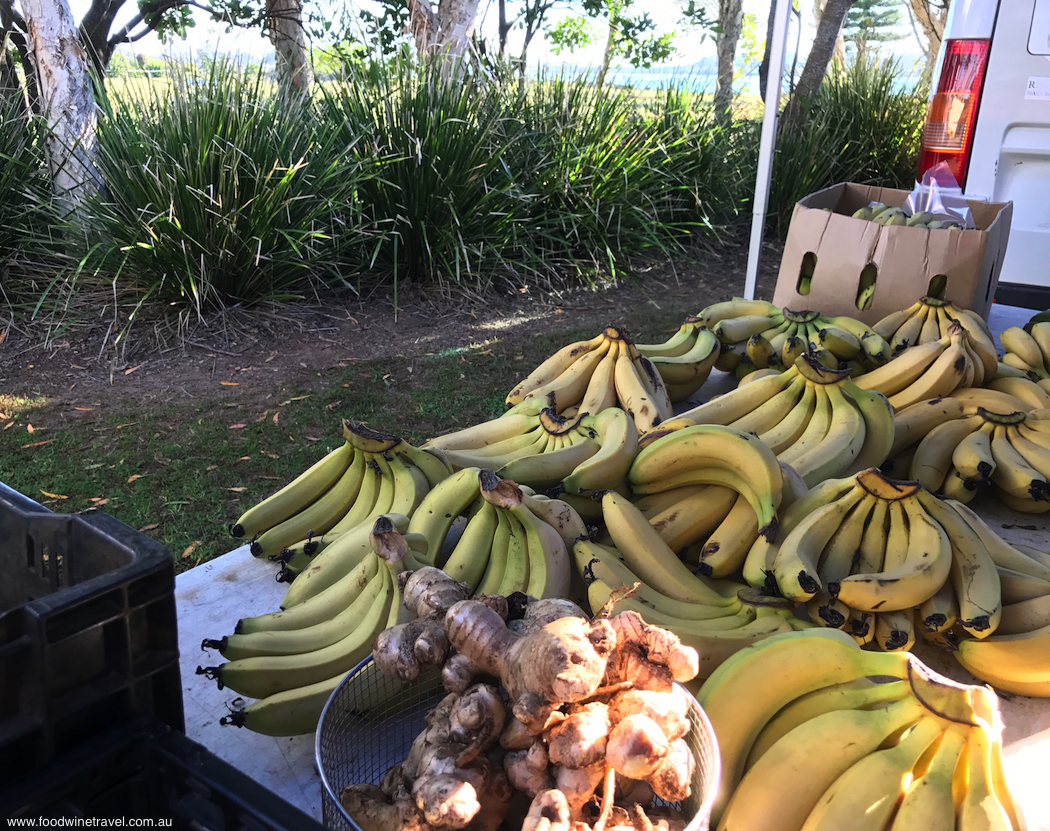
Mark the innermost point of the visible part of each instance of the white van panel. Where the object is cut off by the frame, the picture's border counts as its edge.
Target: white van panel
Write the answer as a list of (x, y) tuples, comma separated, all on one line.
[(972, 19), (1039, 39), (1011, 150)]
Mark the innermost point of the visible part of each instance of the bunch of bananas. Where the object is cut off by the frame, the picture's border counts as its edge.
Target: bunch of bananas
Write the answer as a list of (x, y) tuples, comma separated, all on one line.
[(883, 560), (978, 438), (291, 660), (883, 214), (813, 418), (756, 335), (1029, 351), (684, 360), (591, 376), (579, 454), (930, 370), (928, 319), (808, 740), (370, 474), (640, 572)]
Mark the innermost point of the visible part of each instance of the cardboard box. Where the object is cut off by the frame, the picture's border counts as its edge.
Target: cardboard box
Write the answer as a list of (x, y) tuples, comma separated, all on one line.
[(842, 254)]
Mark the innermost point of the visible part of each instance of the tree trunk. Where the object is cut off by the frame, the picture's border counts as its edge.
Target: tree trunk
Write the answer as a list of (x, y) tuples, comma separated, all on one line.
[(839, 55), (61, 67), (763, 68), (284, 19), (504, 29), (447, 31), (819, 55), (610, 44), (731, 20), (931, 20)]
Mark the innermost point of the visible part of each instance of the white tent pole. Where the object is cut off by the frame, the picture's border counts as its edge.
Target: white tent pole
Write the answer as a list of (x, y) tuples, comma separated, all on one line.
[(774, 82)]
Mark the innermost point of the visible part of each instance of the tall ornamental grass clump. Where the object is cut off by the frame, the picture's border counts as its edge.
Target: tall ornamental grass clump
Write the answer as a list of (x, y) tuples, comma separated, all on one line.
[(219, 194), (27, 255), (444, 204), (862, 126)]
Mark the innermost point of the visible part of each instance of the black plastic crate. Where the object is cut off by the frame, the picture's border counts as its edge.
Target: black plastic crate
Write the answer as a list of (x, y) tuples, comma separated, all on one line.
[(142, 769), (88, 634)]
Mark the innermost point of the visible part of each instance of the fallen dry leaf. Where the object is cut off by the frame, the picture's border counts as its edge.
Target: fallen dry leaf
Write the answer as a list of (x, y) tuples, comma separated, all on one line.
[(37, 443), (275, 415), (83, 409), (126, 424), (237, 426), (311, 438), (9, 424), (263, 416), (237, 490), (99, 501), (271, 455), (150, 527), (229, 383), (53, 495), (190, 548), (135, 476), (300, 398), (129, 371), (29, 428), (211, 467), (245, 459)]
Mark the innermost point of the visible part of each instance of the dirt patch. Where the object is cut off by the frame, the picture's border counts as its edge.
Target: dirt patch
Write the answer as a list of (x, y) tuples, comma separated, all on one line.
[(288, 347)]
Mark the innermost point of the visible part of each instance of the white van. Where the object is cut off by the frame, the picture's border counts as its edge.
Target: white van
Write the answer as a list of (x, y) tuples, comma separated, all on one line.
[(989, 118)]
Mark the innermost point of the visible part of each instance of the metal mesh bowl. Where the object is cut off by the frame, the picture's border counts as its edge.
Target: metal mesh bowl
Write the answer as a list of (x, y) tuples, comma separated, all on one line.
[(371, 720)]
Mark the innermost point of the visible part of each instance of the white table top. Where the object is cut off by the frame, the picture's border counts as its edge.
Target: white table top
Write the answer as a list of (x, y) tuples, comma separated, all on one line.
[(212, 597)]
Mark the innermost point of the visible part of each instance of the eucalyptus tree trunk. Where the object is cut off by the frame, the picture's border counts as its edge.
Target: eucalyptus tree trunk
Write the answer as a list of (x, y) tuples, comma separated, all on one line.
[(839, 55), (61, 67), (820, 53), (607, 56), (930, 17), (447, 31), (285, 24), (731, 20)]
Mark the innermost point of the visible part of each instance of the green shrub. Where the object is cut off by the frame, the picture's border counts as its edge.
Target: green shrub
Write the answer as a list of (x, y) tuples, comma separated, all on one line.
[(217, 194)]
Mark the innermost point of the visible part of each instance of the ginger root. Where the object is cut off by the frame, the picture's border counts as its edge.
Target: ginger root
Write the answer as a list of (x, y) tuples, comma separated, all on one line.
[(579, 740), (405, 650), (549, 812), (563, 661), (648, 657), (637, 747)]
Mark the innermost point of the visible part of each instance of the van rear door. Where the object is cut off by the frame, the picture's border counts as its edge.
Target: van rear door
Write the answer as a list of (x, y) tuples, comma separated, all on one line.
[(1011, 150)]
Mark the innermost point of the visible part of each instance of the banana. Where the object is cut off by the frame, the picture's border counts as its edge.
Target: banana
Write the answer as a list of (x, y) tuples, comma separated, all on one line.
[(899, 466), (440, 507), (264, 675), (338, 559), (657, 503), (516, 573), (980, 807), (972, 457), (545, 470), (499, 553), (841, 445), (410, 486), (772, 412), (907, 334), (912, 423), (973, 573), (1023, 345), (711, 454), (600, 393), (872, 552), (724, 552), (601, 595), (695, 517), (294, 497), (865, 797), (935, 453), (837, 558), (1035, 454), (1014, 663), (1028, 391), (1015, 362), (569, 386), (752, 685), (549, 566), (928, 801), (707, 602), (434, 467), (784, 786), (1040, 332), (739, 329), (1025, 616), (931, 327), (533, 443), (873, 344), (758, 564), (693, 367), (888, 326), (1012, 471), (307, 638), (558, 514), (678, 344), (737, 307), (926, 564), (739, 402), (815, 431), (760, 350), (1002, 553), (943, 376), (316, 518), (991, 400), (939, 612), (647, 555), (755, 374), (554, 366), (321, 608), (839, 342), (795, 565), (510, 425), (783, 435), (631, 392), (895, 630), (469, 559), (1006, 371), (1018, 587), (904, 369), (607, 467)]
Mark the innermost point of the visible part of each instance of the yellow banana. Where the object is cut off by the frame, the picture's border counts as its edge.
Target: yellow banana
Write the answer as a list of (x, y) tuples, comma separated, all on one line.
[(549, 566), (440, 507), (895, 630), (631, 392), (1023, 345), (981, 809), (815, 430), (499, 552), (739, 402), (934, 455), (888, 326), (972, 456), (678, 344), (928, 801), (569, 386), (469, 559), (912, 423), (841, 445), (737, 307), (771, 412), (554, 366), (1012, 471), (694, 517), (724, 552), (939, 612), (783, 435), (942, 377)]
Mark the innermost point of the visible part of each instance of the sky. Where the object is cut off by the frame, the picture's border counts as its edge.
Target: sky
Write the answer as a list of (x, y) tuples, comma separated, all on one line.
[(691, 46)]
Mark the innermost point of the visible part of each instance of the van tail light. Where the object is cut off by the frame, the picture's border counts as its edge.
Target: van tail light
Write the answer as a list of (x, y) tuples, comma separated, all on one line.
[(948, 133)]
